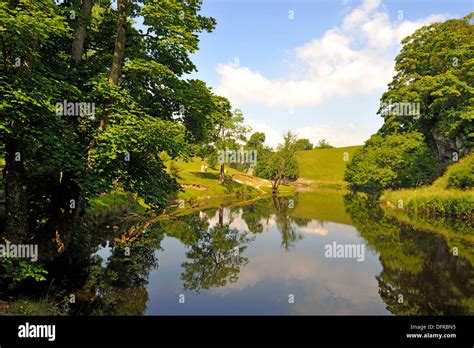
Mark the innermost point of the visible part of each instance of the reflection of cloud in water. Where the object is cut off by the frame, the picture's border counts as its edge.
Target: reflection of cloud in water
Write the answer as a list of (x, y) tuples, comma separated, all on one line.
[(239, 224), (234, 217), (268, 223), (320, 286), (314, 227)]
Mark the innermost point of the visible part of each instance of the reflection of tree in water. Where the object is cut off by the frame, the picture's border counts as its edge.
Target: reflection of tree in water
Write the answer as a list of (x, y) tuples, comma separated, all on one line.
[(253, 214), (286, 224), (214, 255), (417, 265), (280, 209), (119, 286)]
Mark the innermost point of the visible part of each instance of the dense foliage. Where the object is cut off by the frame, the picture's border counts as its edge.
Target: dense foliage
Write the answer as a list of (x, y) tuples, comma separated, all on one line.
[(130, 77), (392, 161), (462, 175), (281, 165), (428, 110)]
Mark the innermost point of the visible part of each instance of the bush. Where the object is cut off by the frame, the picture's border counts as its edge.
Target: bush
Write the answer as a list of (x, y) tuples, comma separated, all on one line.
[(391, 162), (174, 169), (462, 175), (42, 307)]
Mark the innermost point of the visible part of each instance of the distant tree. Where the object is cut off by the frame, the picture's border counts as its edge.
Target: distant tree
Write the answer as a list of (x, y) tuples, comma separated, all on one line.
[(256, 140), (323, 144), (229, 130), (281, 165), (303, 144)]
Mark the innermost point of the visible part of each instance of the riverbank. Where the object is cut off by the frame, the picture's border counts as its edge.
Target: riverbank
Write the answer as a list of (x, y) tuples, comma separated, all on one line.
[(451, 195), (457, 233)]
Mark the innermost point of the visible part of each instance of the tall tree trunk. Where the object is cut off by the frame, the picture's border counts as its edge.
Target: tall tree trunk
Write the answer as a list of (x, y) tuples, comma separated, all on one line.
[(118, 53), (276, 184), (62, 221), (66, 208), (119, 43), (222, 173), (81, 33), (16, 224)]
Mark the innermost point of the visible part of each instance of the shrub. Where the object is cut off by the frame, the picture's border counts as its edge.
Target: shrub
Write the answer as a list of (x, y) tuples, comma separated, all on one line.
[(401, 160), (462, 175)]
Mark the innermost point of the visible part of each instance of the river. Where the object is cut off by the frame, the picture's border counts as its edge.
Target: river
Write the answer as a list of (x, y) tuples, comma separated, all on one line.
[(313, 253)]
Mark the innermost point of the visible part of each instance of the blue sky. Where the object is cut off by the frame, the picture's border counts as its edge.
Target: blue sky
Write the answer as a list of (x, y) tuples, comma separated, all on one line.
[(317, 67)]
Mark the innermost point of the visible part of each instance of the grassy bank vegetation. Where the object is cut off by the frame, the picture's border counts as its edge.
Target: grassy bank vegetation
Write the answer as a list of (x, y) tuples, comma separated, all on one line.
[(452, 194), (325, 167)]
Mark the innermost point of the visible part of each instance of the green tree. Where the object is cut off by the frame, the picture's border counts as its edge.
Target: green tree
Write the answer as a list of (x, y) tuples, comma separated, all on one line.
[(280, 165), (228, 132), (256, 141), (89, 51), (428, 110), (323, 144), (303, 144), (434, 68), (391, 162)]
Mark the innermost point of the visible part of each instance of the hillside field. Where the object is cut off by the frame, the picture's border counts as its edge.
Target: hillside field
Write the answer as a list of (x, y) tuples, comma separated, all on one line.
[(325, 165)]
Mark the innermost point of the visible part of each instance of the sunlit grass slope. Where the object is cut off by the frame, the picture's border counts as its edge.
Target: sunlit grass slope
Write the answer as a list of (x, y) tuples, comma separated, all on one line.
[(439, 198), (325, 165)]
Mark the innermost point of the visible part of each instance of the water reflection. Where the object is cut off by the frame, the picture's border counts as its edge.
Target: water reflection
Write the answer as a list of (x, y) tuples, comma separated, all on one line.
[(421, 273), (214, 255), (252, 258)]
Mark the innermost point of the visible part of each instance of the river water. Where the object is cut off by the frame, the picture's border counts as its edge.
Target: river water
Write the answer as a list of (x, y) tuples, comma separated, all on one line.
[(314, 253)]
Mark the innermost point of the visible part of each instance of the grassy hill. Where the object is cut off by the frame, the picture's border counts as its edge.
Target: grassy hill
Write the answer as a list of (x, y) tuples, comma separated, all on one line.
[(199, 184), (325, 165), (439, 198)]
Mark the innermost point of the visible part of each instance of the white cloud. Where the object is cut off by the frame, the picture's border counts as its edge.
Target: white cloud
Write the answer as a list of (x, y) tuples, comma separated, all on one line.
[(355, 58), (272, 137), (345, 135), (314, 228)]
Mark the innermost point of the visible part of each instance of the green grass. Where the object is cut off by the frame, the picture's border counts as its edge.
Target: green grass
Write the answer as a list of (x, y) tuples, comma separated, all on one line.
[(200, 190), (198, 184), (463, 164), (437, 199), (41, 307), (325, 166), (115, 201)]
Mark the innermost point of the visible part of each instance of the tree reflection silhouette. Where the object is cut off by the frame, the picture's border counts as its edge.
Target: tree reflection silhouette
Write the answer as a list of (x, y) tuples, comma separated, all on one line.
[(117, 286), (420, 275), (285, 223), (214, 255)]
